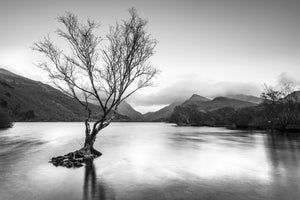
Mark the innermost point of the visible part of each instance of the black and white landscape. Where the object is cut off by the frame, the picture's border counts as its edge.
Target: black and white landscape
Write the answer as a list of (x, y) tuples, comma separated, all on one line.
[(150, 100)]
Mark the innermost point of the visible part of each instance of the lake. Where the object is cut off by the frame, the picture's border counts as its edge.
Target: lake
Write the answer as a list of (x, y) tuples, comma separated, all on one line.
[(149, 161)]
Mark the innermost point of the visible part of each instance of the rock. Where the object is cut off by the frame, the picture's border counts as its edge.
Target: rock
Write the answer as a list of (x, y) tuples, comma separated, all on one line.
[(60, 157), (79, 155), (68, 165), (74, 159), (77, 164), (70, 155)]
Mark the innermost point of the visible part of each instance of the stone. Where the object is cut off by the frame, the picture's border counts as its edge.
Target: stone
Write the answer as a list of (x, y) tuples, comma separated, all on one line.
[(70, 155), (74, 159), (77, 164), (79, 155)]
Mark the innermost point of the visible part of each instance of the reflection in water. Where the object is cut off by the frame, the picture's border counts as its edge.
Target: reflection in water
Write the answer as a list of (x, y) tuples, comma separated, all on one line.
[(283, 152), (149, 161), (89, 186), (92, 189)]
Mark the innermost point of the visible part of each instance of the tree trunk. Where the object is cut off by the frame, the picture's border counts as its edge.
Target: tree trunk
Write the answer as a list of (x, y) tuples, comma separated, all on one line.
[(89, 145)]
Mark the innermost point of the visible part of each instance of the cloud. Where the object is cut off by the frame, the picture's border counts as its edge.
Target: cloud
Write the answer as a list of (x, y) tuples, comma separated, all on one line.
[(184, 88)]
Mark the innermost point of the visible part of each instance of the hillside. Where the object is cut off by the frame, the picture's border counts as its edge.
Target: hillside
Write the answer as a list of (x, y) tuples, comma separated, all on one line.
[(219, 111), (162, 114), (204, 104), (295, 96), (222, 102), (195, 100), (201, 104), (28, 100), (166, 112), (5, 121), (127, 110), (248, 98)]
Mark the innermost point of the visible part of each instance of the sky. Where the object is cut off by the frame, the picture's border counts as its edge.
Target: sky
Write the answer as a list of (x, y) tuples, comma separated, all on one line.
[(206, 47)]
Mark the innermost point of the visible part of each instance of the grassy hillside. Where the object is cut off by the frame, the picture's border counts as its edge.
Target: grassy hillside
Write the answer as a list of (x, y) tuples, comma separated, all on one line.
[(195, 100), (5, 121), (248, 98), (127, 110), (162, 114), (28, 100), (202, 104)]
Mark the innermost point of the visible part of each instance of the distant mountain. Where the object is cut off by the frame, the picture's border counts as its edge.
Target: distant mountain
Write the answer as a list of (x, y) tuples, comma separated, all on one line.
[(196, 97), (248, 98), (205, 104), (127, 110), (200, 103), (222, 102), (195, 100), (28, 100), (162, 114), (294, 96), (202, 112)]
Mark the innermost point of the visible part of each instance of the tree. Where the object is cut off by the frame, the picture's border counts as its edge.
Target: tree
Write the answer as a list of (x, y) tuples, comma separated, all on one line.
[(274, 96), (82, 75), (281, 106)]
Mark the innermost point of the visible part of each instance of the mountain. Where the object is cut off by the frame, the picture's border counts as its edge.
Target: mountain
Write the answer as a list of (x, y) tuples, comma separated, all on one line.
[(127, 110), (295, 96), (248, 98), (195, 100), (205, 104), (28, 100), (222, 102), (166, 112), (216, 112), (200, 103), (162, 114)]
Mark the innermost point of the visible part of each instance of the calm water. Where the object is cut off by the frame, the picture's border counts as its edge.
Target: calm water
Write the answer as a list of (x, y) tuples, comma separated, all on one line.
[(149, 161)]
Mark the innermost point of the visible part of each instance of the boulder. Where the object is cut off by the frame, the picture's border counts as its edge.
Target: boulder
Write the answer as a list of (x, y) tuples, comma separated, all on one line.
[(74, 159)]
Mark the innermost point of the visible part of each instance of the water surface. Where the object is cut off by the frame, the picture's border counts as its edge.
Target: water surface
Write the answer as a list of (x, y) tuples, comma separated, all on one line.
[(149, 161)]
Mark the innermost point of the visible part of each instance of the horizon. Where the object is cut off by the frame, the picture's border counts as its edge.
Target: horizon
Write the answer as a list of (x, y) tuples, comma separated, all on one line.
[(182, 101), (209, 48)]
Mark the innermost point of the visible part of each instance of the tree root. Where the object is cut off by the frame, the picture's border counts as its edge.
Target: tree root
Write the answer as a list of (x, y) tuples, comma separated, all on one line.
[(75, 159)]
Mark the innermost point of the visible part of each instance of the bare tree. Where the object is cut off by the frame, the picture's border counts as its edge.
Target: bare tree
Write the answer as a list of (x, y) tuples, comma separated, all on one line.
[(271, 95), (109, 74), (281, 106)]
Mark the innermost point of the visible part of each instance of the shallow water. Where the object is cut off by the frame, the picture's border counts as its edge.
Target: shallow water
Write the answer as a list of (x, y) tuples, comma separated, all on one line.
[(149, 161)]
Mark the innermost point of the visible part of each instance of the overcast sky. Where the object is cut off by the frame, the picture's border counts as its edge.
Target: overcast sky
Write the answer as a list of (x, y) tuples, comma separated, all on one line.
[(209, 47)]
